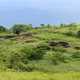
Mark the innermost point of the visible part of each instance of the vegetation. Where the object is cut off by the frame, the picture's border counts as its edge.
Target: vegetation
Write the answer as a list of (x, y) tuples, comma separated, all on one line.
[(2, 29), (39, 76), (18, 28), (48, 49)]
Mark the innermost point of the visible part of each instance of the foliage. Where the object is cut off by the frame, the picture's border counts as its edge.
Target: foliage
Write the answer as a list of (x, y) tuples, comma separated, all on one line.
[(18, 28), (78, 33), (18, 53), (39, 76), (2, 29), (33, 53)]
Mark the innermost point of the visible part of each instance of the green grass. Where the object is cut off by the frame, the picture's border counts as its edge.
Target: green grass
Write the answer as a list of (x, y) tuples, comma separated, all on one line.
[(39, 76), (10, 47), (21, 59)]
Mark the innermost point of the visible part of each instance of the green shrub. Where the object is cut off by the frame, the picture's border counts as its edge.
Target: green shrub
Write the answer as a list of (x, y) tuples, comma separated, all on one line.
[(15, 60), (33, 53), (59, 49), (78, 33), (18, 28), (69, 33), (43, 46), (2, 29), (58, 57), (76, 55)]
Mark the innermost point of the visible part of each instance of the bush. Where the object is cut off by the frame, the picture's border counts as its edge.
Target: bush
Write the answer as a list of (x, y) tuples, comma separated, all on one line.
[(76, 55), (33, 53), (15, 60), (59, 49), (18, 28), (69, 33), (58, 57), (78, 34), (3, 29), (43, 46), (19, 59)]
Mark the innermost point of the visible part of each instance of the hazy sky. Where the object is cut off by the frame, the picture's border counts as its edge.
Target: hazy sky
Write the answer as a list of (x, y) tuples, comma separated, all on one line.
[(39, 11)]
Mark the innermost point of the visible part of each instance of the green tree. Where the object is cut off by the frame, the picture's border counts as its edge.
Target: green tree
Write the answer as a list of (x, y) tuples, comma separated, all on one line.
[(2, 29), (42, 25), (18, 28)]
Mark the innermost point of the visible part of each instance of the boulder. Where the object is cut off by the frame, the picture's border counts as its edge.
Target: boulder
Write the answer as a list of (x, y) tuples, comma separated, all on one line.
[(59, 43), (77, 48), (52, 43), (64, 44)]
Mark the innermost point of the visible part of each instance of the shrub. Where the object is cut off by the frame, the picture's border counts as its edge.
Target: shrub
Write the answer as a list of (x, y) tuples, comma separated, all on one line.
[(78, 33), (33, 53), (69, 33), (76, 55), (2, 29), (59, 49), (18, 60), (15, 59), (43, 46), (18, 28), (58, 57)]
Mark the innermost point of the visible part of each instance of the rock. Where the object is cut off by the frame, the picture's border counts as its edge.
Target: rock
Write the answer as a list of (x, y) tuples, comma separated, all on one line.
[(64, 44), (60, 43), (52, 43), (77, 48)]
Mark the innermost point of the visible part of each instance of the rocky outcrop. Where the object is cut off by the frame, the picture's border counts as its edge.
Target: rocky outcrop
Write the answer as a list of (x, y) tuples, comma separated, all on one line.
[(59, 43)]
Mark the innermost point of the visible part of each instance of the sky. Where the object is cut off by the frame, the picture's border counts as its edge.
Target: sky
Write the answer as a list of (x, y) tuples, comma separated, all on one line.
[(39, 12)]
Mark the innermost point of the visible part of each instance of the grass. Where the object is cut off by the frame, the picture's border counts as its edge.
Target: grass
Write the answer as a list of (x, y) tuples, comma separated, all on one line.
[(20, 54), (39, 76), (10, 47)]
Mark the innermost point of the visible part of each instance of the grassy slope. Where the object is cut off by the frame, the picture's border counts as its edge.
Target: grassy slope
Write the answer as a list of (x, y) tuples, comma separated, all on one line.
[(39, 76), (9, 47)]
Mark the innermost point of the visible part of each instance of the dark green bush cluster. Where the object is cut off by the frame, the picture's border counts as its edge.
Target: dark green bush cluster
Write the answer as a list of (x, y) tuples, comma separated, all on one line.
[(19, 60), (2, 29), (29, 58), (70, 33), (18, 28), (76, 55), (35, 53), (78, 33)]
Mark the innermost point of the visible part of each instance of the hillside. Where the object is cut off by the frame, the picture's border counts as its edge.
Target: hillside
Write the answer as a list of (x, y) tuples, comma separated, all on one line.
[(41, 51), (47, 49)]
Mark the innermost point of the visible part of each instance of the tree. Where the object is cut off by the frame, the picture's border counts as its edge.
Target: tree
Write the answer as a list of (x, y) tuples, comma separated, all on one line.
[(18, 28), (68, 25), (2, 29), (45, 26), (62, 25), (42, 25), (48, 26)]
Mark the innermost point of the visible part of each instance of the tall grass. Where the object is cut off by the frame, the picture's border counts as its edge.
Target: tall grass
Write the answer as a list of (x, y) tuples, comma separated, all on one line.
[(39, 76)]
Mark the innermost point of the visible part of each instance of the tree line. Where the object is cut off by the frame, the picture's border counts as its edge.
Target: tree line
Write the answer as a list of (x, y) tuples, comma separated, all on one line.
[(18, 28)]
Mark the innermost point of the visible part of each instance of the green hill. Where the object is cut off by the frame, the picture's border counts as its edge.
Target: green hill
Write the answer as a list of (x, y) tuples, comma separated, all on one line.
[(45, 49)]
